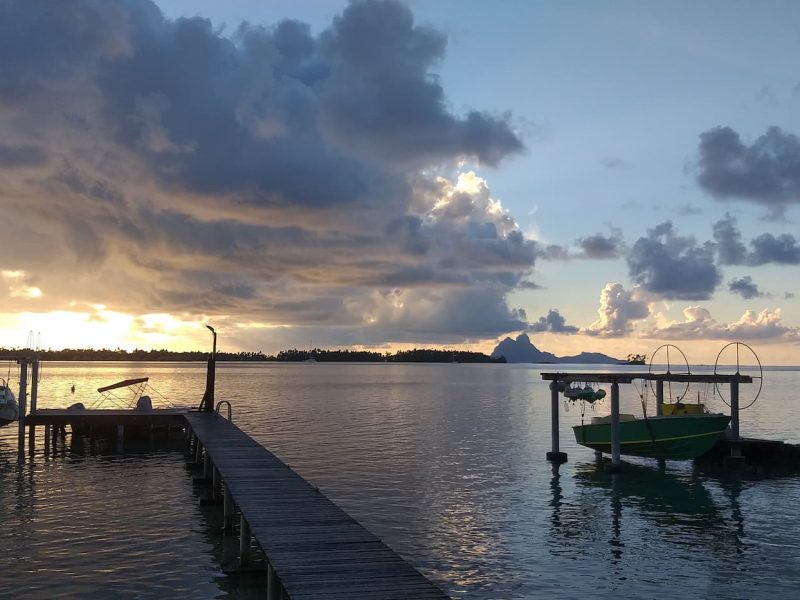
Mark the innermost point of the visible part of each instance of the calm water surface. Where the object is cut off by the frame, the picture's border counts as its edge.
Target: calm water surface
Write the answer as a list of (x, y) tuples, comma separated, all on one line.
[(444, 462)]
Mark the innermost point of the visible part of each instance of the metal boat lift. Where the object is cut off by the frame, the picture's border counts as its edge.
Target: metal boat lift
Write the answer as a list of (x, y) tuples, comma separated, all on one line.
[(615, 379)]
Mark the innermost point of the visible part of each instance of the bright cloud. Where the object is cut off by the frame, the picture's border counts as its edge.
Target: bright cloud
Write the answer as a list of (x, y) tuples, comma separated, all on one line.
[(698, 324), (619, 310)]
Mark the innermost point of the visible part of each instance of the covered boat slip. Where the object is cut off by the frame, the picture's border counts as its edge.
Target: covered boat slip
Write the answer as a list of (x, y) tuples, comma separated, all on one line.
[(614, 445)]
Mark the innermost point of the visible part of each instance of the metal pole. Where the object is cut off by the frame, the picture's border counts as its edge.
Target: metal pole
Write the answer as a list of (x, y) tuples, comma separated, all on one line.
[(22, 402), (208, 397), (615, 441), (659, 397)]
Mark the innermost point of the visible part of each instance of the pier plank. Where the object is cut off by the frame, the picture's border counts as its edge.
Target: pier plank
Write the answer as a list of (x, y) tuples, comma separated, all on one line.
[(316, 549)]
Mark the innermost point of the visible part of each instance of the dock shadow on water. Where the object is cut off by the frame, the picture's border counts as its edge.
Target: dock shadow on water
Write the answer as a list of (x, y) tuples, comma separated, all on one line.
[(83, 520)]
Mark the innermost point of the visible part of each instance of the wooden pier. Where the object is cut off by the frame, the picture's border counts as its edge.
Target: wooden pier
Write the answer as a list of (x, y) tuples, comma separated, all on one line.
[(314, 549)]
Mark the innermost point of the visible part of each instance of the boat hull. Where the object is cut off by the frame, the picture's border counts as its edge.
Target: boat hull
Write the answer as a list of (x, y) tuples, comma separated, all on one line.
[(676, 438)]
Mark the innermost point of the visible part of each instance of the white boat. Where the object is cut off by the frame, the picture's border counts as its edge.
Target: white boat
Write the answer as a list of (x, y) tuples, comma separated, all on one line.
[(9, 409)]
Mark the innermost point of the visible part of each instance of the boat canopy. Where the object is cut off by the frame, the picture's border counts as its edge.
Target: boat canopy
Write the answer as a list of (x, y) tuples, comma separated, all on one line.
[(122, 384)]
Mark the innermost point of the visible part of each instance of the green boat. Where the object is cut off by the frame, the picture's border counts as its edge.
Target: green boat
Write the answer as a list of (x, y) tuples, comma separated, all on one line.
[(671, 437)]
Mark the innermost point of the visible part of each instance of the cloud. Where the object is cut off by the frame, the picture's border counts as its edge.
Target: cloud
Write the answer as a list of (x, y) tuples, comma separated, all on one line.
[(766, 172), (553, 322), (673, 267), (698, 324), (381, 99), (612, 162), (730, 248), (765, 249), (618, 310), (270, 176), (601, 247), (745, 287)]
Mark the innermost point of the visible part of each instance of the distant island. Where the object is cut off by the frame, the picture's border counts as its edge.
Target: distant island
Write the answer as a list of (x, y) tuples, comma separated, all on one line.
[(522, 350), (294, 355)]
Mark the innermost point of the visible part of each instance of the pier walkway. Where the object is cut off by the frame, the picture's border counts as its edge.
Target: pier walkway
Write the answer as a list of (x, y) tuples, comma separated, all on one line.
[(314, 549)]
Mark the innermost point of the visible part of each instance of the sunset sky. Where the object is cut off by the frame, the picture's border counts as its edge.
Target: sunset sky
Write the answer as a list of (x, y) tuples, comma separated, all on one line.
[(607, 176)]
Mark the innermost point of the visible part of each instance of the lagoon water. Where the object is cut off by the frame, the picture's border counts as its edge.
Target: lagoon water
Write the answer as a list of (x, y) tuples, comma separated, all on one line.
[(445, 463)]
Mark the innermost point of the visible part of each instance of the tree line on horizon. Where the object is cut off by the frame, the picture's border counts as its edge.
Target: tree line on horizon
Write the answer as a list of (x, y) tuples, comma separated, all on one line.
[(293, 355)]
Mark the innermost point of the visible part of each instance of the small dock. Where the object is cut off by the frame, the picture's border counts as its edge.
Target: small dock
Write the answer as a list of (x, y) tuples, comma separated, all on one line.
[(315, 550)]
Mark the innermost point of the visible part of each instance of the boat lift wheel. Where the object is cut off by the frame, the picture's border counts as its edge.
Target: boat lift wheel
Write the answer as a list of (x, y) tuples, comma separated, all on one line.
[(666, 348), (757, 366)]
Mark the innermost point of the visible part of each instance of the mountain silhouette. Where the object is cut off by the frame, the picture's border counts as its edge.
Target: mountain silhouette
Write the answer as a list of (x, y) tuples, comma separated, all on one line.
[(522, 350)]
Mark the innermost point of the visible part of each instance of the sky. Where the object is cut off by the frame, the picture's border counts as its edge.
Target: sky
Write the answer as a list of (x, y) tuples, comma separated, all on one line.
[(605, 176)]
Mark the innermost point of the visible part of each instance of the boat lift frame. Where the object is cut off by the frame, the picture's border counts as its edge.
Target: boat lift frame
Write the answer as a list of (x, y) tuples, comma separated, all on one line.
[(615, 379)]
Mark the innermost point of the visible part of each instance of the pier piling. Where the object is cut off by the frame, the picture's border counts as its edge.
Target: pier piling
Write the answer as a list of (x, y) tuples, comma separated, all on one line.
[(244, 541), (22, 404), (555, 455)]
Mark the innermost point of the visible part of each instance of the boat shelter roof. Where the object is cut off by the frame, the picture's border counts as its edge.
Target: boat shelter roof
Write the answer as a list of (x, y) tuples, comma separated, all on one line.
[(574, 377)]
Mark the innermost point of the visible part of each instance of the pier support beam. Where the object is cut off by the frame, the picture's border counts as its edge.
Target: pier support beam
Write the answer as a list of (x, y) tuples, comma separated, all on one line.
[(244, 541), (735, 460), (274, 591), (616, 462), (659, 397), (555, 455), (227, 511), (120, 438)]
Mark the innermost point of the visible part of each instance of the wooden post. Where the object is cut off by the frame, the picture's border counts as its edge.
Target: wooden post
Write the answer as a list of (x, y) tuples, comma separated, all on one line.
[(214, 483), (46, 440), (616, 463), (22, 403), (206, 466), (659, 397), (198, 452), (227, 511), (274, 591), (244, 541), (120, 437), (555, 455), (34, 396)]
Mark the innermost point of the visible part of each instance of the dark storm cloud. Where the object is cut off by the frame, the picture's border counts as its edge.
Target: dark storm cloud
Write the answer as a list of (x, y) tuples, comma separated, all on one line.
[(745, 287), (730, 248), (271, 175), (381, 99), (766, 171), (766, 248), (553, 322), (600, 247), (672, 266)]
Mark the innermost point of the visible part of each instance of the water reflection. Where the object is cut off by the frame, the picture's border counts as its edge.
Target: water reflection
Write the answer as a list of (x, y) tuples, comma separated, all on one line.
[(81, 520)]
